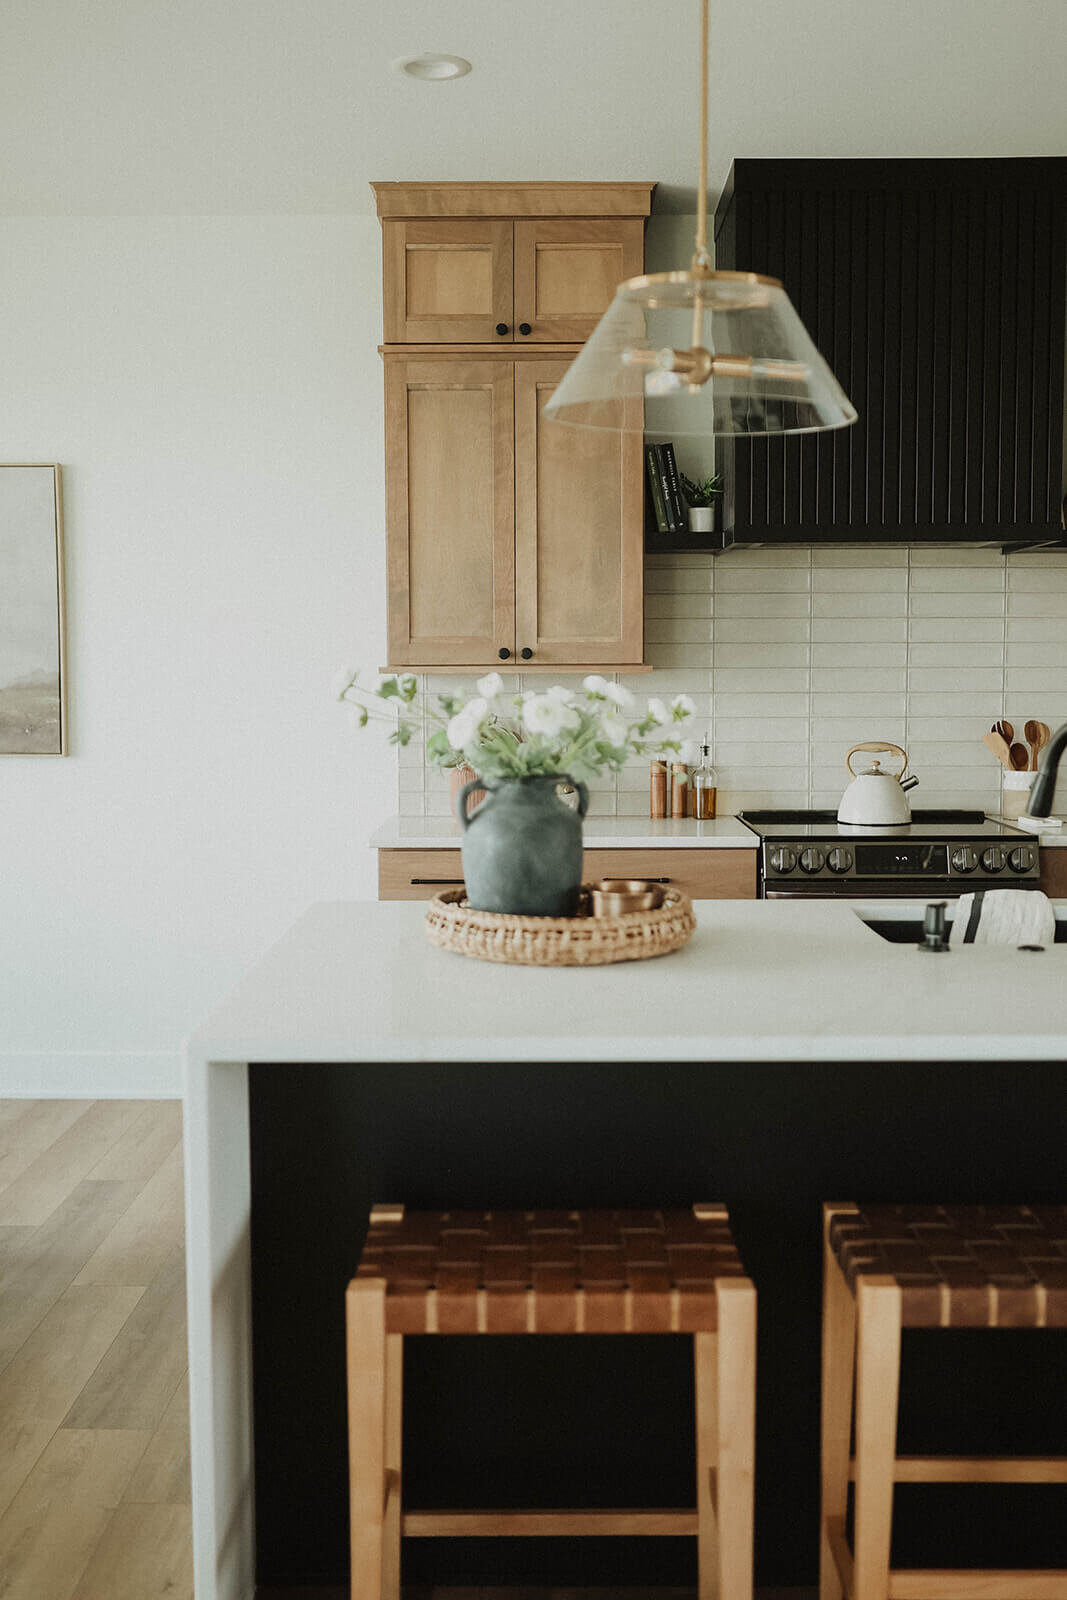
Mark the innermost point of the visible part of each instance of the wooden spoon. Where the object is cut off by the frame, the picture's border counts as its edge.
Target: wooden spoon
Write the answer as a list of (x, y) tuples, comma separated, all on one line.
[(1020, 757), (1037, 735), (1005, 729), (999, 747)]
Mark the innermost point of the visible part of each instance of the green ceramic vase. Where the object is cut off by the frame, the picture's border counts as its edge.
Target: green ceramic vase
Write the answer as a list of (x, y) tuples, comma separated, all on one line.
[(522, 847)]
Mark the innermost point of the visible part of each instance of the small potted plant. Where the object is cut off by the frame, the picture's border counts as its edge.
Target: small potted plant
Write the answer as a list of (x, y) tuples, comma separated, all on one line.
[(702, 495)]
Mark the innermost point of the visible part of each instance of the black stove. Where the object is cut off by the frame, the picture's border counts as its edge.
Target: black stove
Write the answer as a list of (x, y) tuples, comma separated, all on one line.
[(937, 853)]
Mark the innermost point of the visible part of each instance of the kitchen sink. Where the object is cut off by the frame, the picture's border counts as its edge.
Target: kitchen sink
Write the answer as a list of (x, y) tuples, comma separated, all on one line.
[(905, 930)]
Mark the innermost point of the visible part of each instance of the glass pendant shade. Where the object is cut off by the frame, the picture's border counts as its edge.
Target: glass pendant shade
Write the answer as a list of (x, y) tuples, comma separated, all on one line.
[(696, 353)]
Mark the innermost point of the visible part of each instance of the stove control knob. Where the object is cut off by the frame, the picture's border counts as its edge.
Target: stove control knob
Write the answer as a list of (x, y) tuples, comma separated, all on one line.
[(811, 860), (783, 859), (994, 859), (964, 859), (839, 859), (1022, 859)]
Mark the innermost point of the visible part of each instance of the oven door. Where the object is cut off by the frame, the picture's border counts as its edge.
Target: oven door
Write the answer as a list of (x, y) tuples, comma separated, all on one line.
[(864, 889)]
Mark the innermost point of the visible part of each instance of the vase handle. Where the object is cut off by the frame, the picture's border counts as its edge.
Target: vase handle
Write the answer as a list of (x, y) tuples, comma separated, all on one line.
[(583, 797), (461, 801)]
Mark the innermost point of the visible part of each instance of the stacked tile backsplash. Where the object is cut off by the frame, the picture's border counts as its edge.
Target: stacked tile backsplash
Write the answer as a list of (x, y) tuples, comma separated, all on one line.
[(792, 655)]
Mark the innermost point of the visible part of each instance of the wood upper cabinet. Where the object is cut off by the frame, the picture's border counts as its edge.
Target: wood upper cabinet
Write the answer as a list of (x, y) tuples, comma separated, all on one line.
[(578, 533), (566, 273), (449, 509), (510, 539), (506, 531), (447, 281), (486, 281)]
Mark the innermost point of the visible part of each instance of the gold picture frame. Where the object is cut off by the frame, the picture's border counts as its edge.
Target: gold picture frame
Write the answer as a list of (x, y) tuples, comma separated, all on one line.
[(33, 668)]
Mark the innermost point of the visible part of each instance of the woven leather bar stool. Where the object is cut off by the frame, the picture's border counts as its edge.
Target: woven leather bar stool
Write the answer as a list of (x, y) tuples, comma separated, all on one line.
[(892, 1267), (540, 1272)]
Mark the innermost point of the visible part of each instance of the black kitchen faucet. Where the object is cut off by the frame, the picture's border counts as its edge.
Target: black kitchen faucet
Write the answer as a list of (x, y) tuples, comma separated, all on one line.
[(1045, 783)]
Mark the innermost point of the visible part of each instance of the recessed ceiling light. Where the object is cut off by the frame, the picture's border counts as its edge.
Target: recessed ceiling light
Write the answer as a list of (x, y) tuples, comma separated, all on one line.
[(432, 67)]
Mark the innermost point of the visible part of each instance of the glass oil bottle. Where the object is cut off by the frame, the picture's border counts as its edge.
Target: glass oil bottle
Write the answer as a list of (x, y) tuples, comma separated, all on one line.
[(703, 784)]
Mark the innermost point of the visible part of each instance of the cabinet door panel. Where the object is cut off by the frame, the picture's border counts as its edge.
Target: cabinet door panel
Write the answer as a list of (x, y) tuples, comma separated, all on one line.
[(449, 509), (566, 273), (578, 533), (447, 282)]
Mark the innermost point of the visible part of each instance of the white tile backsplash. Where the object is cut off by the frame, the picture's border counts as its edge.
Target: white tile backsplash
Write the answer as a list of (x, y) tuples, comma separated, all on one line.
[(794, 655)]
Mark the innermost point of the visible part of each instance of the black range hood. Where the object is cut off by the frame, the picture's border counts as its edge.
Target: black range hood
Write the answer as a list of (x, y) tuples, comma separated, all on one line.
[(936, 290)]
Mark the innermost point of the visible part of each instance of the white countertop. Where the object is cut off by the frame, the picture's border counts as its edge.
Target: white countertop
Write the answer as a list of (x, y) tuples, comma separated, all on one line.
[(759, 980), (598, 833)]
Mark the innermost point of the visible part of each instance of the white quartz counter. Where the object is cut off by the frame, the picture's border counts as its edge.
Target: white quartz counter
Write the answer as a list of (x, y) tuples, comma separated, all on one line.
[(598, 833), (759, 980)]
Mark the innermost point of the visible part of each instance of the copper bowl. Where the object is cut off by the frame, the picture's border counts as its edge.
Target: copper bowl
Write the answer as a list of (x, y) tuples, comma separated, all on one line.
[(617, 896)]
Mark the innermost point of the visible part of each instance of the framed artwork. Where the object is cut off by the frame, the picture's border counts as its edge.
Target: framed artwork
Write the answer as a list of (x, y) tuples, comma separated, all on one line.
[(33, 719)]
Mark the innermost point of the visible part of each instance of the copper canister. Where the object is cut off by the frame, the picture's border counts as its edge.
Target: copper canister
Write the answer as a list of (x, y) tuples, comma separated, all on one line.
[(657, 789), (679, 789)]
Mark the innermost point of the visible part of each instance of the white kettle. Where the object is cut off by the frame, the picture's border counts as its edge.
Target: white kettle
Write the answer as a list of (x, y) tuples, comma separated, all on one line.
[(876, 799)]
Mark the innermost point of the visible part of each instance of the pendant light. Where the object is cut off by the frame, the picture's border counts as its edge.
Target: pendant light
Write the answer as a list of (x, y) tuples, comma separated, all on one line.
[(700, 352)]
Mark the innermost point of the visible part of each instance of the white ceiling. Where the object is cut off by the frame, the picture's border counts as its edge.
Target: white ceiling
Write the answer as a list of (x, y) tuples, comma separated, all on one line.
[(195, 106)]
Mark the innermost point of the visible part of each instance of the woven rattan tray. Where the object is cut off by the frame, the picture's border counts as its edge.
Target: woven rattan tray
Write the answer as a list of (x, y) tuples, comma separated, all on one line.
[(579, 941)]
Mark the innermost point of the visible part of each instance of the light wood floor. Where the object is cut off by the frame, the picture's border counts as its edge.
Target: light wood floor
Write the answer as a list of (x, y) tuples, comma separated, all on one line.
[(94, 1436)]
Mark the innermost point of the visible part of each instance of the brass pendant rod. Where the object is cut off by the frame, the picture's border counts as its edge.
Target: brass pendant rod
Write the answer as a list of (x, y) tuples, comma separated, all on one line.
[(701, 257)]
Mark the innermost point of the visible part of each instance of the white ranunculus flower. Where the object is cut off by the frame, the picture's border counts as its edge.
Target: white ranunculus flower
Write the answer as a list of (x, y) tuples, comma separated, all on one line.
[(689, 751), (547, 714), (596, 686), (490, 686), (614, 728), (622, 697), (658, 711), (464, 726), (681, 707), (564, 696)]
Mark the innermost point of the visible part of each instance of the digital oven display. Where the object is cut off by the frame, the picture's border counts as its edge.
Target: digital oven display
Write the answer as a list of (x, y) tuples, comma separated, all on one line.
[(901, 860)]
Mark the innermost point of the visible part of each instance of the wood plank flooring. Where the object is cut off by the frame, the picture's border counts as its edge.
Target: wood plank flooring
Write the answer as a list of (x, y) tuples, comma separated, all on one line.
[(94, 1398)]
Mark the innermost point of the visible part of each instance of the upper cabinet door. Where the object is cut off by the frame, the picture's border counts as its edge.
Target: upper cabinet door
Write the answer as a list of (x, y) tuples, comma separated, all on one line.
[(566, 273), (447, 282), (578, 534), (449, 510)]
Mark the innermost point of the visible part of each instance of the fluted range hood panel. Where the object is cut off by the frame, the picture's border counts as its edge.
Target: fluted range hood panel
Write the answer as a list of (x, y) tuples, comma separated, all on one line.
[(936, 290)]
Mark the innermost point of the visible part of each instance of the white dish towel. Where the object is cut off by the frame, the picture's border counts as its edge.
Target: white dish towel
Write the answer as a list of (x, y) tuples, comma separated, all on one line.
[(1004, 916)]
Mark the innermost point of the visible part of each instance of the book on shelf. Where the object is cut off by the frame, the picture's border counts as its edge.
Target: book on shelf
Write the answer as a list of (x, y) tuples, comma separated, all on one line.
[(678, 503), (655, 486)]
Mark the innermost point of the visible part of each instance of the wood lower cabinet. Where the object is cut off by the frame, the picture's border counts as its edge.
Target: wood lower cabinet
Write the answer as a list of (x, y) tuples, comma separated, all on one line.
[(703, 874), (1054, 873), (510, 538)]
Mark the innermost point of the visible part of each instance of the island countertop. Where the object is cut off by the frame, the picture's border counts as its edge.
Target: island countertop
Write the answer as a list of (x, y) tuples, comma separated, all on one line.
[(758, 981)]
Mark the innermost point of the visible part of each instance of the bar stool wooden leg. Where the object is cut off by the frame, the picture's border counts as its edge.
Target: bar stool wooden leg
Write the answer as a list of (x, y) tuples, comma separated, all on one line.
[(838, 1365), (394, 1433), (706, 1375), (365, 1329), (736, 1426), (878, 1302)]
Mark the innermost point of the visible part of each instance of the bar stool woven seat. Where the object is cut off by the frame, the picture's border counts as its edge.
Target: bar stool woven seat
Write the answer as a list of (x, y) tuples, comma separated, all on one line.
[(889, 1267), (961, 1266), (553, 1272)]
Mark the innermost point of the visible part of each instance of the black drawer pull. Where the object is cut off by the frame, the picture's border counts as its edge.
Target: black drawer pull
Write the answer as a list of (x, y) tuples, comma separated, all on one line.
[(455, 882)]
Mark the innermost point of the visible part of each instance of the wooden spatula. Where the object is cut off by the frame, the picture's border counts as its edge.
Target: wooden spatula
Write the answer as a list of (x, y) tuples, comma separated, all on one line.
[(999, 746)]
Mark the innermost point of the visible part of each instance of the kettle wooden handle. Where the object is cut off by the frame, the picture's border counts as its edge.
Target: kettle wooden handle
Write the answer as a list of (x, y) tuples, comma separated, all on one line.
[(875, 745)]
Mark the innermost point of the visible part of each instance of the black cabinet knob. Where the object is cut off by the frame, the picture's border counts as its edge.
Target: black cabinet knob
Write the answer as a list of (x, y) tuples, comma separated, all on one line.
[(524, 327), (501, 328), (503, 652), (526, 653)]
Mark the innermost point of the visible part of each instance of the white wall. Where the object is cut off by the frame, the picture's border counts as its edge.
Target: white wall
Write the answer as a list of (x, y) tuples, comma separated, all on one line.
[(212, 389)]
